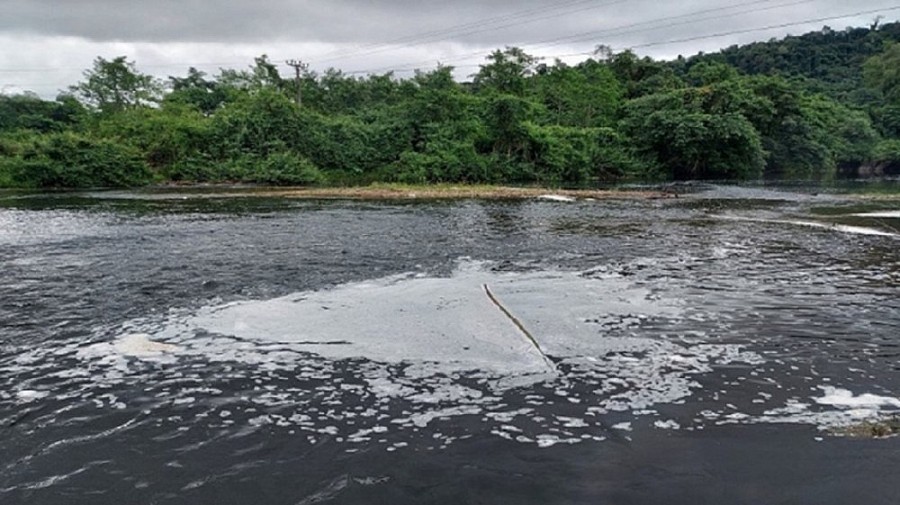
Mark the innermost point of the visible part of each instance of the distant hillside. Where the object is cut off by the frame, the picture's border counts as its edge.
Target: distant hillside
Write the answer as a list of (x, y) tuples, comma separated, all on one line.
[(831, 58)]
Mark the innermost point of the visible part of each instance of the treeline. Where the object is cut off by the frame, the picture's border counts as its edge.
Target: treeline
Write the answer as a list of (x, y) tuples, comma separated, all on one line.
[(745, 113)]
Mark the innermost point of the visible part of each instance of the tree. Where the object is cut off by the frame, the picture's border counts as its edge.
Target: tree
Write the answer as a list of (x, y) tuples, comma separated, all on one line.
[(116, 85), (30, 112), (643, 76), (507, 71), (882, 72), (585, 96), (263, 74), (710, 72), (697, 133), (206, 95)]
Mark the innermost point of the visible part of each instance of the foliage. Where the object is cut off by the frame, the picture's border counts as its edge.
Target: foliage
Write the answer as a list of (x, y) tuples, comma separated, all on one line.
[(585, 96), (506, 72), (278, 169), (195, 90), (30, 112), (830, 61), (66, 159), (113, 86), (882, 72)]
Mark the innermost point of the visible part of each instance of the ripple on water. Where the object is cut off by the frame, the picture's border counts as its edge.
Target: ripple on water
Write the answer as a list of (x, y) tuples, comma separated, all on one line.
[(407, 352)]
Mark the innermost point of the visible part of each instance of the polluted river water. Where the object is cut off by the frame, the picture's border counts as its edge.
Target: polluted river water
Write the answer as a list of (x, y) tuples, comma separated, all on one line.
[(720, 347)]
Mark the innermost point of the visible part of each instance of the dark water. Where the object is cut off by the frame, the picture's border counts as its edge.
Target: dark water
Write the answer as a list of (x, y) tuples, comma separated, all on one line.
[(704, 349)]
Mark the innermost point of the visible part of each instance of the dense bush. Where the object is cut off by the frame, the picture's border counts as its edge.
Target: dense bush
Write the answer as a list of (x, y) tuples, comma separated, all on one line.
[(62, 160)]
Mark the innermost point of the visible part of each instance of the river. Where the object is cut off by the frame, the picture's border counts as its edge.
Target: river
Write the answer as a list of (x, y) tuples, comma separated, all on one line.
[(178, 347)]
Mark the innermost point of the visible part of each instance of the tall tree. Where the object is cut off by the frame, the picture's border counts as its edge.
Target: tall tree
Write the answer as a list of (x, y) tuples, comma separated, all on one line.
[(206, 95), (115, 85), (506, 72)]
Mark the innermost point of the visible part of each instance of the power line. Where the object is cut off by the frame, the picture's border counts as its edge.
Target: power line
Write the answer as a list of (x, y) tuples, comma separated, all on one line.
[(623, 30), (764, 28), (415, 39), (691, 19), (486, 27), (450, 30), (411, 66), (594, 33), (455, 30)]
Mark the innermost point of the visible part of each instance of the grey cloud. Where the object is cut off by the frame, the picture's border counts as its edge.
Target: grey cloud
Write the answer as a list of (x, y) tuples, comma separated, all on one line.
[(367, 21), (46, 42)]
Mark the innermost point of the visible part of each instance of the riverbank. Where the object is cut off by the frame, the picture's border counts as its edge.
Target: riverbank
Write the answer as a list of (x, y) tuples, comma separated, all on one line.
[(427, 192)]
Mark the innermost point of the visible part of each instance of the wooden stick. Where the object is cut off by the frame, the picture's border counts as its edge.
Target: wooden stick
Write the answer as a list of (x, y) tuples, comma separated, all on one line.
[(520, 326)]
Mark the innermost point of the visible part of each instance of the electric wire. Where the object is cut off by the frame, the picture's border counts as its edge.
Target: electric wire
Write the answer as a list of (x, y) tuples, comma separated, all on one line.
[(409, 67)]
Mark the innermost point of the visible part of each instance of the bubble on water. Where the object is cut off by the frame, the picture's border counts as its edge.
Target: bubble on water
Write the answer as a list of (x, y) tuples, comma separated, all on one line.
[(413, 352)]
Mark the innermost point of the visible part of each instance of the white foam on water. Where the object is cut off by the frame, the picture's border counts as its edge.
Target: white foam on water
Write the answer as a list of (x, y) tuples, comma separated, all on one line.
[(837, 408), (667, 425), (886, 214), (557, 198), (30, 395), (842, 228), (438, 345), (140, 345), (844, 398), (448, 323)]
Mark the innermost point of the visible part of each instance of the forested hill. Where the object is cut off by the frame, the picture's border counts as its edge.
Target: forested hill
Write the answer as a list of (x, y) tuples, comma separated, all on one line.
[(833, 59), (814, 107)]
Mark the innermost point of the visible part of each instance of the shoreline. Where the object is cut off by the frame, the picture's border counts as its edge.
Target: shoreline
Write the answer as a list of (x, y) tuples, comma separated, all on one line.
[(407, 192), (452, 192), (375, 192)]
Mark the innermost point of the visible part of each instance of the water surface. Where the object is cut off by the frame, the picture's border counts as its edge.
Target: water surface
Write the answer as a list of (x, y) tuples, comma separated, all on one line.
[(182, 348)]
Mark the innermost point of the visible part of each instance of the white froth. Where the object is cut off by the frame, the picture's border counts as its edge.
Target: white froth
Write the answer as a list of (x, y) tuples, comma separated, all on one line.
[(626, 426), (444, 349), (557, 198), (844, 398), (140, 345), (30, 395), (887, 214), (448, 323), (443, 325), (667, 425), (857, 230)]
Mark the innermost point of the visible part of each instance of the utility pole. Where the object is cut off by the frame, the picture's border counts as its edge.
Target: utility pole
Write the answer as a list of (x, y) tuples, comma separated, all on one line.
[(299, 67)]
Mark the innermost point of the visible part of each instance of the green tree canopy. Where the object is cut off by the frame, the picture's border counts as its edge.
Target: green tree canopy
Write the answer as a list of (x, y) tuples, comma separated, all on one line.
[(115, 85)]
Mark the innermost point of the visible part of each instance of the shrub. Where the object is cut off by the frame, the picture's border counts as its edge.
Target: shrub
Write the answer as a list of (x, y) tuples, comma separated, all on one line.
[(69, 160)]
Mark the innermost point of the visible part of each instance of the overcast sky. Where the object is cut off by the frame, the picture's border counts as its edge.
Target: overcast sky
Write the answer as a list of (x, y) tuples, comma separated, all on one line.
[(46, 44)]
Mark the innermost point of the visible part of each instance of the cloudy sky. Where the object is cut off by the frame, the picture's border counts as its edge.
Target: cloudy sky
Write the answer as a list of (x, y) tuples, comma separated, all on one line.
[(46, 44)]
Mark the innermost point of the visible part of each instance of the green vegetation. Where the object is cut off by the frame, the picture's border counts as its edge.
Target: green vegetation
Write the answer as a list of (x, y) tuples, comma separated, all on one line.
[(814, 107)]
